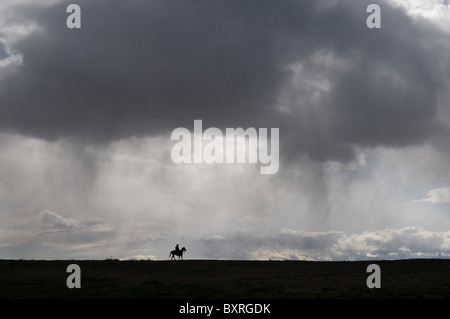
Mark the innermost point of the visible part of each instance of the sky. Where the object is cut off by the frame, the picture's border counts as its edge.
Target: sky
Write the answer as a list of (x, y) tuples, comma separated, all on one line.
[(86, 117)]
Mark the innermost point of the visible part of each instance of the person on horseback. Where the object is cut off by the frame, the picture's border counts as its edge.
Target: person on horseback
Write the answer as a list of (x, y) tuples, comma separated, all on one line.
[(177, 252)]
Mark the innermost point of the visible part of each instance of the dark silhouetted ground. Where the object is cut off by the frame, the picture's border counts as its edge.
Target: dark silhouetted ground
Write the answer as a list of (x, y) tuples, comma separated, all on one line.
[(206, 279)]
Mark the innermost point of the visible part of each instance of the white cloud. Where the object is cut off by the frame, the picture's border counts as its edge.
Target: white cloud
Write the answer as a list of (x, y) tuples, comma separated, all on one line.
[(139, 257), (438, 195), (50, 219), (408, 242), (436, 11)]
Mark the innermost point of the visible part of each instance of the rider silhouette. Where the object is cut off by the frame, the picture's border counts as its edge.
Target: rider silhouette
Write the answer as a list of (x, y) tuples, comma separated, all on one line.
[(177, 248)]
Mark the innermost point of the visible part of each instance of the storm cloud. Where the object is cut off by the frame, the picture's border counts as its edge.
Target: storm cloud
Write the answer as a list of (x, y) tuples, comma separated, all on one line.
[(311, 68)]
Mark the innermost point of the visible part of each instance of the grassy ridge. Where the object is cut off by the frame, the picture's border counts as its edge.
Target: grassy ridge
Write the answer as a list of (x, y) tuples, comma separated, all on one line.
[(423, 278)]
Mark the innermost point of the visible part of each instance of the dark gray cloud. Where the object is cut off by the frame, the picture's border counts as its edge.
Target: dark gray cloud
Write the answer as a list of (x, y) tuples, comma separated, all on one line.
[(311, 68), (3, 53), (140, 68)]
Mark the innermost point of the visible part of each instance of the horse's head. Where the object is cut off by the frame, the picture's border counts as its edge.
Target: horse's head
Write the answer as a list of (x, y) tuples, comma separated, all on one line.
[(183, 249)]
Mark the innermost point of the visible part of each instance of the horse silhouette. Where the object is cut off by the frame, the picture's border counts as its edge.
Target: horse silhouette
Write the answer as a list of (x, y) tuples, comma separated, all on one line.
[(178, 253)]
